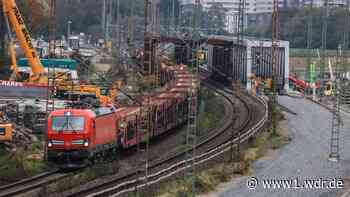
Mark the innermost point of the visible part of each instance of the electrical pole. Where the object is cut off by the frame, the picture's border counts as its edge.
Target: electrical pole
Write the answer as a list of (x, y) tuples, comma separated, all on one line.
[(173, 18), (324, 46), (273, 96), (346, 37), (131, 25), (103, 21), (119, 35), (336, 118), (50, 103), (339, 90), (235, 76), (192, 122), (309, 44), (146, 126)]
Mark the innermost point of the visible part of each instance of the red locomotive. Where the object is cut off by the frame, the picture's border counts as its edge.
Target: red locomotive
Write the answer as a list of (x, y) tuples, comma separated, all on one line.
[(80, 136)]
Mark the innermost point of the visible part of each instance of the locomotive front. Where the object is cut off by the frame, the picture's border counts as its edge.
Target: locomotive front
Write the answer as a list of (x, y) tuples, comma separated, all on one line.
[(69, 137)]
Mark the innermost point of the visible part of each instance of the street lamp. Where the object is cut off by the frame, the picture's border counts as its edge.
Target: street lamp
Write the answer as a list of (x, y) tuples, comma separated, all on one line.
[(69, 31)]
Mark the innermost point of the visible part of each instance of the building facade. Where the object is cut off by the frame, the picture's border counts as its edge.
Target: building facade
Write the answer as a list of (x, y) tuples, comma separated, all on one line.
[(321, 3), (256, 11)]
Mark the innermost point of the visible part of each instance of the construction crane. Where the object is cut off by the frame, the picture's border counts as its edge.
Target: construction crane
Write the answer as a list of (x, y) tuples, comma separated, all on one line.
[(38, 74), (14, 17)]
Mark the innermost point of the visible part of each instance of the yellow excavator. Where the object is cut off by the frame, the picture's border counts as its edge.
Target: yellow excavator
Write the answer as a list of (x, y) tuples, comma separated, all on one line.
[(6, 129), (38, 75)]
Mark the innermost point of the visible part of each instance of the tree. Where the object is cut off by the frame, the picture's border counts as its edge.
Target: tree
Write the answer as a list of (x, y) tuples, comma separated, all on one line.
[(293, 27)]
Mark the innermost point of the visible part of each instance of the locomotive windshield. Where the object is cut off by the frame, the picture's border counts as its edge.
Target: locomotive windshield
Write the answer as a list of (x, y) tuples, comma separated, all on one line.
[(68, 123)]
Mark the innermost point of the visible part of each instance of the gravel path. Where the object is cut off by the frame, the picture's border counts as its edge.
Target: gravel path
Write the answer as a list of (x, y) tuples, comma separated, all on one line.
[(304, 158)]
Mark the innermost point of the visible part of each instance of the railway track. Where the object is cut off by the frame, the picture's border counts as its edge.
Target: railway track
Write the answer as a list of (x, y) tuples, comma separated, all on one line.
[(217, 143), (208, 149), (30, 184)]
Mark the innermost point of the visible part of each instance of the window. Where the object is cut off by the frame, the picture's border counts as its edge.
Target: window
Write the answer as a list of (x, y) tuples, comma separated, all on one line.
[(131, 130), (2, 131), (68, 123)]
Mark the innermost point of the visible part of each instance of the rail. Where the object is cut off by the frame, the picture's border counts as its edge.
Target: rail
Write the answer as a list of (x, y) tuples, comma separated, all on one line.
[(121, 186)]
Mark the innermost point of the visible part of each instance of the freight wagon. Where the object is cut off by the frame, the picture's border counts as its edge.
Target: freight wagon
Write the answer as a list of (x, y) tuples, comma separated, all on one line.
[(77, 137)]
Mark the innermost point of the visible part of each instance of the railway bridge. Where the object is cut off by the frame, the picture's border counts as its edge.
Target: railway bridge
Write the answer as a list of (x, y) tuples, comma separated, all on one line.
[(226, 58)]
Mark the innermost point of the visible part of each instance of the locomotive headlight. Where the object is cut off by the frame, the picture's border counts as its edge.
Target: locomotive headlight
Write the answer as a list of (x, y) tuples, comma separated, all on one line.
[(86, 143), (49, 144), (122, 125)]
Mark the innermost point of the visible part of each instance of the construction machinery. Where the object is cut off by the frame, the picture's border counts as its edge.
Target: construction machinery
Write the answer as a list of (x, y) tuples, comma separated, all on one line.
[(16, 23), (5, 128), (38, 76), (15, 19)]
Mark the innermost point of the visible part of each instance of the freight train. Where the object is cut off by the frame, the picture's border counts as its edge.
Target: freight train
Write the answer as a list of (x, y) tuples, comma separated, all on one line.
[(78, 137)]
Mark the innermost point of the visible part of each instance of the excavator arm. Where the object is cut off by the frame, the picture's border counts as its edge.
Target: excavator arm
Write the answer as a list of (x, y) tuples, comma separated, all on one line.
[(15, 18)]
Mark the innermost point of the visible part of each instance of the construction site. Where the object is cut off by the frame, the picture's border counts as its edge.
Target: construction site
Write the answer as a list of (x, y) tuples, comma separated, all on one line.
[(174, 98)]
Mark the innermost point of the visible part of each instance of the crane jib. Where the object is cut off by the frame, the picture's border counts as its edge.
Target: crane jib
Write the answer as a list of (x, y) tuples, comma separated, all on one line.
[(27, 37), (18, 16), (24, 29)]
